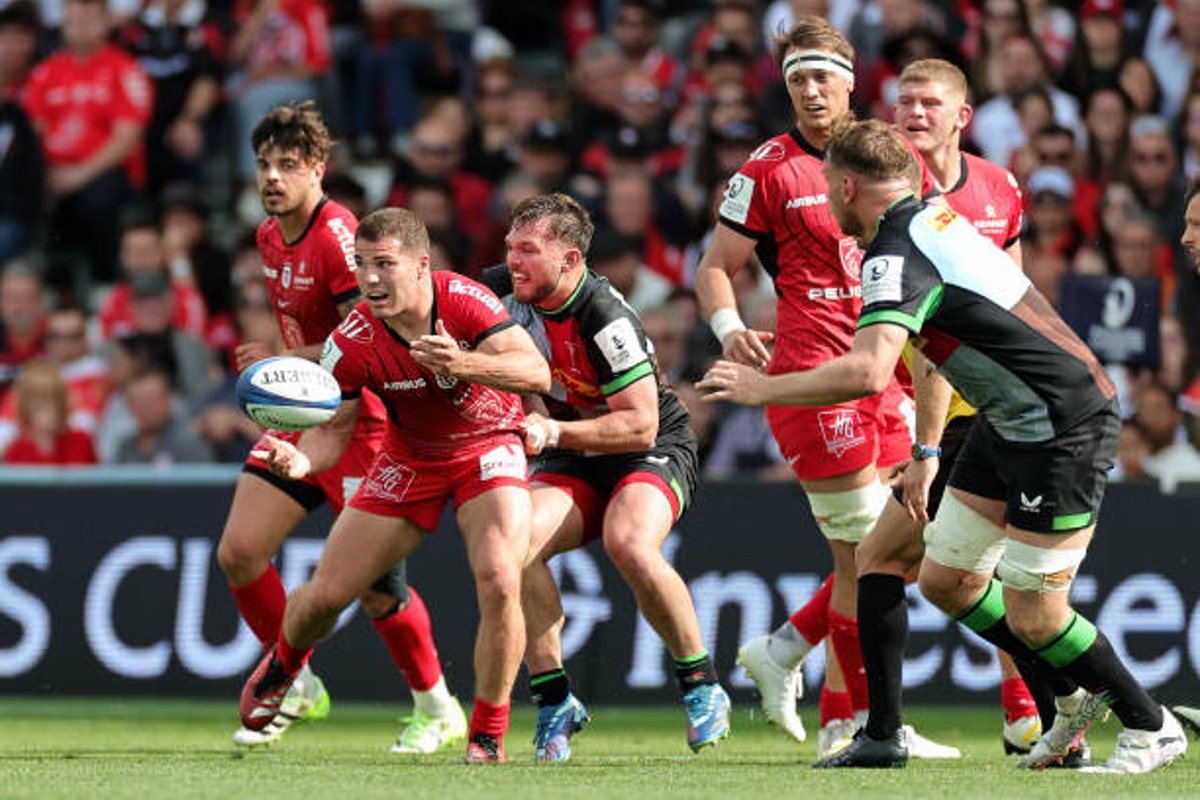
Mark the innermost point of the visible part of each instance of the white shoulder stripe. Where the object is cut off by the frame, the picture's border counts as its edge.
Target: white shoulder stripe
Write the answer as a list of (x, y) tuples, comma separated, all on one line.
[(964, 258)]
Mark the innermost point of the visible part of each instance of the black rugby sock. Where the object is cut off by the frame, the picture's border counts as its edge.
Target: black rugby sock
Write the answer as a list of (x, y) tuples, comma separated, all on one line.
[(883, 634), (549, 688)]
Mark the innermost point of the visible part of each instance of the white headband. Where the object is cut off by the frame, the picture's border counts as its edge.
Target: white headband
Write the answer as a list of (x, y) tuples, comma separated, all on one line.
[(818, 59)]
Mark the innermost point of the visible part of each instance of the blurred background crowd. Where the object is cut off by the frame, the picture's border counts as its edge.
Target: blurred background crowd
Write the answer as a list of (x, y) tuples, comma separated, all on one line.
[(127, 201)]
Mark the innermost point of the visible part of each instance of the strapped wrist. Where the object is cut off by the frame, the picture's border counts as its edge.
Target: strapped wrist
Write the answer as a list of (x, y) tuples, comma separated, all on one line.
[(725, 321)]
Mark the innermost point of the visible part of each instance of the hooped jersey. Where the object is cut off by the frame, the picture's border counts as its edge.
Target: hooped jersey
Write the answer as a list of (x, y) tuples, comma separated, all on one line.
[(989, 196), (432, 417), (596, 347), (310, 277), (979, 320), (778, 198)]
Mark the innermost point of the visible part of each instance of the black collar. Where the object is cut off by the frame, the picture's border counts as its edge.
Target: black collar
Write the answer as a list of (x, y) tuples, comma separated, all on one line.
[(311, 221), (806, 145)]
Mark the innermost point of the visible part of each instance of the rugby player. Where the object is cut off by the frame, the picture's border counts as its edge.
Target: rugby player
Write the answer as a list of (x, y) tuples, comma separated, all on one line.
[(307, 247), (616, 461), (445, 357), (1027, 486), (775, 206)]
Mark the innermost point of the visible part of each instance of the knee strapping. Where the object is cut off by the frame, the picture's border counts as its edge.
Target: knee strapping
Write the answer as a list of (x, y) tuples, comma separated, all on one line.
[(962, 538), (848, 516), (1029, 568)]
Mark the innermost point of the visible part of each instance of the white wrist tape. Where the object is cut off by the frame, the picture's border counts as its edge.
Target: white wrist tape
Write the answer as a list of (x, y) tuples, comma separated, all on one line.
[(725, 321), (818, 59), (553, 432)]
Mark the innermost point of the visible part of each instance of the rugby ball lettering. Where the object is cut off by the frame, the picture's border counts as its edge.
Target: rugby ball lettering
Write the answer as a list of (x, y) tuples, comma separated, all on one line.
[(288, 393)]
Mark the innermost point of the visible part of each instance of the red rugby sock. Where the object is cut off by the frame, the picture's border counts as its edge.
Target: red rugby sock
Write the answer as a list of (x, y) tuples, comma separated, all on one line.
[(813, 619), (843, 634), (261, 603), (293, 659), (1016, 699), (408, 634), (835, 705), (490, 718)]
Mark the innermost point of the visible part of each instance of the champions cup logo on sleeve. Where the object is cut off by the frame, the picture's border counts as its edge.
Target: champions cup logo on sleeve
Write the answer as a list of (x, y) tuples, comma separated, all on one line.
[(841, 429), (619, 343), (881, 280), (331, 354), (738, 193), (389, 479)]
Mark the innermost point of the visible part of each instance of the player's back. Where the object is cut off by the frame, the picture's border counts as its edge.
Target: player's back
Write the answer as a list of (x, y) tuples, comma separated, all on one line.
[(433, 417), (779, 199)]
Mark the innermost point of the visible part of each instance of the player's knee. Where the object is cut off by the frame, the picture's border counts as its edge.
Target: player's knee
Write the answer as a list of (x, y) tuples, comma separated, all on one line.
[(323, 599), (241, 564), (498, 583), (951, 590), (628, 551), (848, 516), (1029, 568), (963, 539)]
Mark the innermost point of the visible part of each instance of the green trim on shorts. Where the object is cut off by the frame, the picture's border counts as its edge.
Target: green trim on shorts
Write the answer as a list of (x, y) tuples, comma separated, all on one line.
[(678, 490), (617, 384), (987, 610), (1069, 643), (1072, 522)]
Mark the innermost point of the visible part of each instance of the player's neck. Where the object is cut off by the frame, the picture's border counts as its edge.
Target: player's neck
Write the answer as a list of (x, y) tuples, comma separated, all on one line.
[(567, 287), (945, 165), (293, 223), (416, 322), (873, 210)]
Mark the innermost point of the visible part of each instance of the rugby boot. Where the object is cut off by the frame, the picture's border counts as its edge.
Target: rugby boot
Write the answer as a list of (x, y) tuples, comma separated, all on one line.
[(1076, 713), (426, 733), (778, 687), (555, 726), (1139, 752), (863, 751), (483, 748), (708, 715)]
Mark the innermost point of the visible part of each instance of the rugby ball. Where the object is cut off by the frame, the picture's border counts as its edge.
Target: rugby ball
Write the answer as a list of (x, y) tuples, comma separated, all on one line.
[(288, 393)]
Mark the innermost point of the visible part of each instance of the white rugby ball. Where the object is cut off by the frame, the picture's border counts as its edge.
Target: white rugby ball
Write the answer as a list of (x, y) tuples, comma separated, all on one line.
[(288, 393)]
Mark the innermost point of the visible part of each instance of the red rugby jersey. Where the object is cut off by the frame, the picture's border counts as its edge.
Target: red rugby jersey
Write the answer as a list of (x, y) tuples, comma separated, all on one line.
[(432, 418), (989, 196)]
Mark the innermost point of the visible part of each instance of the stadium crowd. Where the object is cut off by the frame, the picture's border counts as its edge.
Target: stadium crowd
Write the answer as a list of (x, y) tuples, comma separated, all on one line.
[(128, 206)]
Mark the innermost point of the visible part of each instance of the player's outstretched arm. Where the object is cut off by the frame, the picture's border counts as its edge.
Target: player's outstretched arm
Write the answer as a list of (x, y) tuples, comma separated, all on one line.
[(320, 447), (506, 360), (865, 370), (725, 257)]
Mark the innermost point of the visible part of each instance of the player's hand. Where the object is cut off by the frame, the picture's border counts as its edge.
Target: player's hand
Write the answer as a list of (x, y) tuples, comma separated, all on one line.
[(895, 475), (737, 383), (540, 433), (748, 347), (251, 353), (283, 458), (918, 477), (438, 352)]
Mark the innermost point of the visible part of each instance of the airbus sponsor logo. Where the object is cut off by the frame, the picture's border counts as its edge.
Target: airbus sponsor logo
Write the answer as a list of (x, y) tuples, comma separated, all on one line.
[(806, 201), (404, 386)]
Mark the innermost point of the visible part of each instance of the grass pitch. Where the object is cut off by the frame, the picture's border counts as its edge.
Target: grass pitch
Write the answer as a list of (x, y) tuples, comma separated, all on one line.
[(147, 749)]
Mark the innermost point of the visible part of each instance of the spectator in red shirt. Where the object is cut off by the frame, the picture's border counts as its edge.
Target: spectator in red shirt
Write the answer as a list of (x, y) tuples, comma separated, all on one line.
[(141, 252), (90, 102), (45, 437)]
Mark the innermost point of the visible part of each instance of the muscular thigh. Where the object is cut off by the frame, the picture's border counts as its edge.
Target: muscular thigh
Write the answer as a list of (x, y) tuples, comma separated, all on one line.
[(495, 526), (361, 548)]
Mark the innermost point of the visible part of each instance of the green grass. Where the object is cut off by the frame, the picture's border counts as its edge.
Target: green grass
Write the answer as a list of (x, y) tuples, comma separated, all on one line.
[(149, 749)]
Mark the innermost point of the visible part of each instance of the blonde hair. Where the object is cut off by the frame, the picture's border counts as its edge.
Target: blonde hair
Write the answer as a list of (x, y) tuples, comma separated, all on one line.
[(937, 70), (36, 375)]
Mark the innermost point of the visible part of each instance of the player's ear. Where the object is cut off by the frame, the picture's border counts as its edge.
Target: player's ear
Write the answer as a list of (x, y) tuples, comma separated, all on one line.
[(423, 265), (319, 169), (965, 113), (571, 259)]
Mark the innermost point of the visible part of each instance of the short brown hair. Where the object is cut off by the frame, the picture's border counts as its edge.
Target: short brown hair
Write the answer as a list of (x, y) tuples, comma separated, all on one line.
[(395, 223), (32, 376), (873, 149), (569, 222), (294, 126), (813, 32), (937, 70)]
